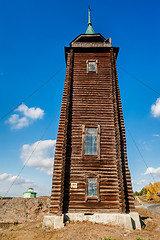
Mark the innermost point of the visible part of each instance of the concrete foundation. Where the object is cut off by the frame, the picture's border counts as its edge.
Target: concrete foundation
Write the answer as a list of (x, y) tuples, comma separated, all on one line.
[(53, 221), (129, 221)]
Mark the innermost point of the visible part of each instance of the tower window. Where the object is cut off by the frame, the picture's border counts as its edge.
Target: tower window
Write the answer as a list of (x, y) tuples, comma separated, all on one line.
[(91, 141), (92, 187), (92, 66)]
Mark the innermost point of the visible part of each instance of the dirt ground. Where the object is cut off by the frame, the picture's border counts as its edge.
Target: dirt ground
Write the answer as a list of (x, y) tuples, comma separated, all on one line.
[(136, 202), (85, 230)]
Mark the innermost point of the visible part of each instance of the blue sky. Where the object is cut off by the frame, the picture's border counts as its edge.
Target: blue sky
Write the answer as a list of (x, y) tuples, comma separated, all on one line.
[(32, 39)]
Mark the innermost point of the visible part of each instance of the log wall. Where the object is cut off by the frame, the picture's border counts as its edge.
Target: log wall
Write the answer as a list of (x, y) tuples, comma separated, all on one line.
[(91, 98)]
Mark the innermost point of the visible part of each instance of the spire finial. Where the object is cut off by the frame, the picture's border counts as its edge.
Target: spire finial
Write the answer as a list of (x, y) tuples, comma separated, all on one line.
[(89, 29), (89, 15)]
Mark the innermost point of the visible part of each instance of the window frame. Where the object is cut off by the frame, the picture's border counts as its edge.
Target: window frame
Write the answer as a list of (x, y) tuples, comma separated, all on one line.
[(96, 67), (87, 156), (87, 198)]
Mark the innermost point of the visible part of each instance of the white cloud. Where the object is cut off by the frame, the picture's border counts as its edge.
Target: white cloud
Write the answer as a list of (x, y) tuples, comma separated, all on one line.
[(156, 135), (25, 116), (19, 185), (33, 113), (140, 182), (155, 108), (39, 155), (7, 178), (154, 171), (17, 122)]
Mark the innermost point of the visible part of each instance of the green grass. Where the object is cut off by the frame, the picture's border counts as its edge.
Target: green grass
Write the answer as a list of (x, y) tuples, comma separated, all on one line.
[(140, 239), (112, 239)]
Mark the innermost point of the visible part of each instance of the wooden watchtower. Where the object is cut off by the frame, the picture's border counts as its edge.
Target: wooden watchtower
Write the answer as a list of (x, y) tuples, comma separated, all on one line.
[(91, 172)]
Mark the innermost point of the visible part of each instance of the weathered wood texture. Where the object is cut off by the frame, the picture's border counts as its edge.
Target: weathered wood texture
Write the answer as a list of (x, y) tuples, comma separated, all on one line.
[(91, 98)]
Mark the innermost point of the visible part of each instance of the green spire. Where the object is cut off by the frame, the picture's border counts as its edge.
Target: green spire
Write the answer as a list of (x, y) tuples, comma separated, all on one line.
[(89, 29)]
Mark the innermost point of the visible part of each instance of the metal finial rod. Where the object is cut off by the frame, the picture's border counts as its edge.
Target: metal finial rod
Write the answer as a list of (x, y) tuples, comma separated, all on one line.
[(89, 29), (89, 16)]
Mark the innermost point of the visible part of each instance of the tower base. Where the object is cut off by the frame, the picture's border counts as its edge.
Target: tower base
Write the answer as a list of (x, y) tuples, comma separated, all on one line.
[(129, 221)]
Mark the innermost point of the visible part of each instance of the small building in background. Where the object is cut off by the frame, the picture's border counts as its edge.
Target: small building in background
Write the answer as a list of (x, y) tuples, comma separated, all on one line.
[(30, 193)]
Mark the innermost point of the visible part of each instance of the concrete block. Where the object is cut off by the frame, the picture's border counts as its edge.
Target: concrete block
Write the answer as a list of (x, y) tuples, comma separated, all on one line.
[(124, 220), (135, 220), (59, 221), (53, 221), (48, 221), (128, 221)]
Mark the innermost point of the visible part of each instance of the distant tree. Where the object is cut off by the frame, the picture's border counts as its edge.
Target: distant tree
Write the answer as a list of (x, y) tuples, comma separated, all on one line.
[(149, 195), (152, 191), (143, 191), (151, 188), (136, 193)]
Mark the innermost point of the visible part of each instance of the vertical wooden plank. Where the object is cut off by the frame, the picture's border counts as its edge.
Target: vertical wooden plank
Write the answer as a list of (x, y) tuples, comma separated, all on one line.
[(99, 142)]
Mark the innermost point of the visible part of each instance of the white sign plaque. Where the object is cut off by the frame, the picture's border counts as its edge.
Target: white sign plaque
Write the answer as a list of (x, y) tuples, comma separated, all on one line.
[(73, 185)]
